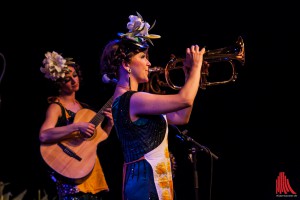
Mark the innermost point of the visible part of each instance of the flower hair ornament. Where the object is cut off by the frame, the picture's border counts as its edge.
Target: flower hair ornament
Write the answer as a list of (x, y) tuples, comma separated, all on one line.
[(55, 66), (138, 31)]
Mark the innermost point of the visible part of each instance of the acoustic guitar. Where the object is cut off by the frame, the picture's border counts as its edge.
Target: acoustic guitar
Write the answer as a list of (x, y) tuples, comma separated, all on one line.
[(75, 158)]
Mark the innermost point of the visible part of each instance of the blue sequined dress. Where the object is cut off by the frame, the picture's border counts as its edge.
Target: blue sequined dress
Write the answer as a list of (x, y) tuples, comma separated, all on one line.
[(147, 169)]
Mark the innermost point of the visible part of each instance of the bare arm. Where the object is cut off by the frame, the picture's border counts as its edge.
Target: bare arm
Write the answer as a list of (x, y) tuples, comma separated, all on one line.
[(177, 106), (49, 133)]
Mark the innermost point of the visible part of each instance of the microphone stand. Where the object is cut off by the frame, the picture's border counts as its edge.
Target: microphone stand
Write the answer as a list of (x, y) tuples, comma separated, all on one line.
[(196, 147), (193, 157), (195, 172)]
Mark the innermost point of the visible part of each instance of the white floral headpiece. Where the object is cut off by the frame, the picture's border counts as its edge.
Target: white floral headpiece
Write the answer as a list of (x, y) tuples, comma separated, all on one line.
[(138, 31), (55, 66)]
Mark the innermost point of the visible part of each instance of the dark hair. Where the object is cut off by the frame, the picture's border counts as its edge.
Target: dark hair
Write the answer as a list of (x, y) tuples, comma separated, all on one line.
[(115, 52), (76, 68)]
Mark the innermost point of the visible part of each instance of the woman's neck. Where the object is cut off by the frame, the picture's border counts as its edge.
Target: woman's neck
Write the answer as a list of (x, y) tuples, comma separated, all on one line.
[(68, 98), (126, 86), (123, 86)]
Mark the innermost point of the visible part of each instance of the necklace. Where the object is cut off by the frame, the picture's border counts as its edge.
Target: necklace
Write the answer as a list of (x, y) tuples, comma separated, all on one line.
[(123, 86)]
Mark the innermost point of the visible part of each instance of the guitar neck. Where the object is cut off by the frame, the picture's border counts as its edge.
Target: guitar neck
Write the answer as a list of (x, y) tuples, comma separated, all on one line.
[(99, 117)]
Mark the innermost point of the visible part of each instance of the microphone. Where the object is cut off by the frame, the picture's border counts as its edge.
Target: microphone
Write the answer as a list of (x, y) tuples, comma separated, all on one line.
[(106, 79), (184, 138), (181, 136)]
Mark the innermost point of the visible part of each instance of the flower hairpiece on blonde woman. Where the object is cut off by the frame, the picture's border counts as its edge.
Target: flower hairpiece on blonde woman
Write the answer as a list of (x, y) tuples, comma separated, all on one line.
[(55, 66), (138, 31)]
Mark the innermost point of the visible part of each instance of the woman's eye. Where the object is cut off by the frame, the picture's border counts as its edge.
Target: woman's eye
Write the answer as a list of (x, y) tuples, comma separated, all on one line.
[(66, 80)]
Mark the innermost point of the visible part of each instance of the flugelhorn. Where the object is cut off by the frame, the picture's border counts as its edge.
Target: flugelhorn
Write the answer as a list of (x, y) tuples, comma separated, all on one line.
[(231, 54)]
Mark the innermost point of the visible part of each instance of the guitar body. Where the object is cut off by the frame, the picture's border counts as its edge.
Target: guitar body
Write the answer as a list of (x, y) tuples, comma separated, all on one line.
[(85, 148)]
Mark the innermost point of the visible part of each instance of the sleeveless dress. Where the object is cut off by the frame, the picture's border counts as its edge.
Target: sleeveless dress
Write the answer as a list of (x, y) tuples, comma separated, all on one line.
[(147, 171), (95, 183)]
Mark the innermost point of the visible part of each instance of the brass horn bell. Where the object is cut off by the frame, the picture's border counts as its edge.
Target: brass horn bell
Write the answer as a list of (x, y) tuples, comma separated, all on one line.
[(229, 54)]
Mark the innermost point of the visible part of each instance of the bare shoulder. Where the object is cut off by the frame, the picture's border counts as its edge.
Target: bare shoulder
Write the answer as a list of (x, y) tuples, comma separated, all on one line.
[(54, 108)]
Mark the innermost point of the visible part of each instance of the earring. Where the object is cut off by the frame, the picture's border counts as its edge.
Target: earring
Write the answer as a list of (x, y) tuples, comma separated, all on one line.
[(129, 72)]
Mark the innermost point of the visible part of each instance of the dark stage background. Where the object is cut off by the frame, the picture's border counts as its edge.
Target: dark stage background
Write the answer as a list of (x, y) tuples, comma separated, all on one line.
[(250, 124)]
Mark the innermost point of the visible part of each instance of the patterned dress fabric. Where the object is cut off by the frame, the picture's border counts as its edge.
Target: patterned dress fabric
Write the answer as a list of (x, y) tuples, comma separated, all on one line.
[(147, 171)]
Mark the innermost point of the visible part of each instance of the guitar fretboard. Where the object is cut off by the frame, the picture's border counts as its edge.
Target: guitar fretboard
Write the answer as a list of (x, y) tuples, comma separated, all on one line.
[(99, 117)]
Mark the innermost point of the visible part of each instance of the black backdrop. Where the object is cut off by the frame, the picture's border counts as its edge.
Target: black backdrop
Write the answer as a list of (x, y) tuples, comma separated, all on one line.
[(250, 124)]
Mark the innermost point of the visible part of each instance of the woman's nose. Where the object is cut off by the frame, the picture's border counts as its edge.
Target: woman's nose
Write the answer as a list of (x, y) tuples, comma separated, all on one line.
[(73, 79)]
